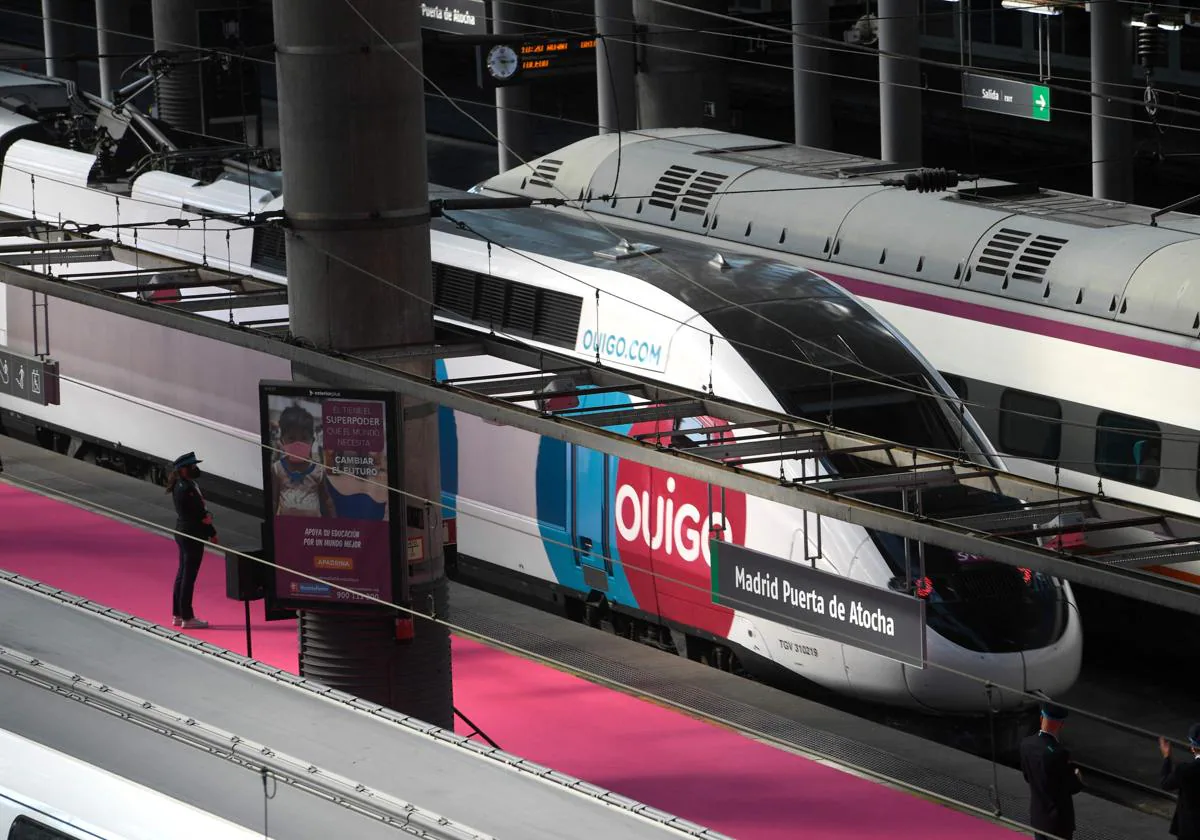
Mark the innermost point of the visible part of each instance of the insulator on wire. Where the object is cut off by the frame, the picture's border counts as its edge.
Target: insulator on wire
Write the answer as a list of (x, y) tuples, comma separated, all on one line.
[(1151, 47), (927, 180)]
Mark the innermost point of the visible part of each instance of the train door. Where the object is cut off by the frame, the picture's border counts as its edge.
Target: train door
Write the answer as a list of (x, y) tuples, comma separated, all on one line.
[(590, 472), (683, 514)]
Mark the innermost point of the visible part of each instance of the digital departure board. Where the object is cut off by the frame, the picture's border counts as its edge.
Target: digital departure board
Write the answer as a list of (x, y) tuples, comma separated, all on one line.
[(512, 62)]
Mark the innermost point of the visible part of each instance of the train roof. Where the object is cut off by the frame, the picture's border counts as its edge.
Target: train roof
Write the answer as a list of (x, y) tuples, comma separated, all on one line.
[(755, 302), (1063, 251)]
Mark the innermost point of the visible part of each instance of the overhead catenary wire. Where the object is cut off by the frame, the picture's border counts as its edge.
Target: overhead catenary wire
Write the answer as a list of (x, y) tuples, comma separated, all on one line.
[(898, 385), (883, 380), (829, 44), (676, 271)]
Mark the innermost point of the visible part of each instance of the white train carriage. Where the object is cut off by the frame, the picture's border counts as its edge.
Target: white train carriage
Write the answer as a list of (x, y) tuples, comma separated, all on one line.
[(752, 329)]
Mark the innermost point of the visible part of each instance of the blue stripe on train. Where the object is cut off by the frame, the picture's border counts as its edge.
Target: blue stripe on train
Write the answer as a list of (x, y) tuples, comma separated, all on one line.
[(448, 449), (559, 511)]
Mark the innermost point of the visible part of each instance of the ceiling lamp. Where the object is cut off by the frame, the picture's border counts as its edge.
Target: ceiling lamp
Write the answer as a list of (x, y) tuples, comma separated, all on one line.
[(1168, 25), (1037, 7)]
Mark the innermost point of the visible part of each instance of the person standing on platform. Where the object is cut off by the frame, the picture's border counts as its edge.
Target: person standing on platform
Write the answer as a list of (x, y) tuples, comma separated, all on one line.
[(194, 526), (1185, 778), (1053, 780)]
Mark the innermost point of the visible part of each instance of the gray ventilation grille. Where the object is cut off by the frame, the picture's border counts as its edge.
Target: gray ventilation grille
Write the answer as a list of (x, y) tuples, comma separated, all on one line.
[(545, 173), (1028, 258), (998, 254), (270, 250), (686, 189), (1035, 259), (506, 306)]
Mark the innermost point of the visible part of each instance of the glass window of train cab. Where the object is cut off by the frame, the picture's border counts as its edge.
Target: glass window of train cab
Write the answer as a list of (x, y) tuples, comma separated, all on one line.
[(957, 384), (24, 828), (1030, 425), (1128, 449)]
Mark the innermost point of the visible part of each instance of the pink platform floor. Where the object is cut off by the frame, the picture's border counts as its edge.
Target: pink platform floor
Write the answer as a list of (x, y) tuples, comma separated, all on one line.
[(696, 770)]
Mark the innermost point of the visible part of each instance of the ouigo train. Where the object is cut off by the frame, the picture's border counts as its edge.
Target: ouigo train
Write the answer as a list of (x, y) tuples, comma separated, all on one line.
[(532, 513)]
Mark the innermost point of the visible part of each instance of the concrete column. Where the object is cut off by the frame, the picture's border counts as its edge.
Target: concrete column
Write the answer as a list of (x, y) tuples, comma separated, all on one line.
[(616, 65), (900, 81), (352, 138), (112, 26), (810, 85), (681, 82), (513, 123), (1112, 137), (177, 30), (59, 38)]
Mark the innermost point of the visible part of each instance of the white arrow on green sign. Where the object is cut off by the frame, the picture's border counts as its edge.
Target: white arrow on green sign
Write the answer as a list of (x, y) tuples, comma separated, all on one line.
[(1041, 103)]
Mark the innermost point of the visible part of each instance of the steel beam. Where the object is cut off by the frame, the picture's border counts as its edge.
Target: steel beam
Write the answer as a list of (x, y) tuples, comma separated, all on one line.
[(1083, 570)]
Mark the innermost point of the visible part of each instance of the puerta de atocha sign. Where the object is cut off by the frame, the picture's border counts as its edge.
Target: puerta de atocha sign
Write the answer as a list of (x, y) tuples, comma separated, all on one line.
[(881, 621), (459, 17), (329, 456)]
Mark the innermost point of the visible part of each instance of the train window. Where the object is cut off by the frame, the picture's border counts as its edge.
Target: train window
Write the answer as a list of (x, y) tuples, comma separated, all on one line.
[(1128, 449), (1030, 425), (24, 828), (957, 384)]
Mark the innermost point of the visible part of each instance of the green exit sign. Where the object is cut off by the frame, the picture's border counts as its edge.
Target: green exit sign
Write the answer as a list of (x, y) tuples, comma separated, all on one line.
[(1040, 103), (1006, 96)]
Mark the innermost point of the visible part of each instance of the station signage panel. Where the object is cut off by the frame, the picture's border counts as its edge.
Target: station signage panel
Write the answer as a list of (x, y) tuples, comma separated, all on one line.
[(28, 378), (1005, 96), (458, 17), (329, 457), (858, 614)]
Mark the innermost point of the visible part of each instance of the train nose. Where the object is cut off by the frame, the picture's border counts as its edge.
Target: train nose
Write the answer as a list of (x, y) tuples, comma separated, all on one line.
[(955, 679), (1052, 669)]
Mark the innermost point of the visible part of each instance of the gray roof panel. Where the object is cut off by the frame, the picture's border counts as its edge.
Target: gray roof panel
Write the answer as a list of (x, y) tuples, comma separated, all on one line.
[(1065, 252), (759, 209), (884, 232), (1164, 291)]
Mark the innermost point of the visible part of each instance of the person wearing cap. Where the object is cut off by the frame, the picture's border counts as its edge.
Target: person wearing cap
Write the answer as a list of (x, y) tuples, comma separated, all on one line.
[(193, 526), (1053, 780), (1185, 778)]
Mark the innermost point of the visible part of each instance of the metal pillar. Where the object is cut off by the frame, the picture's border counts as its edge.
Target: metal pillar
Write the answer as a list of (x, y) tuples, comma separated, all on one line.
[(810, 84), (616, 65), (513, 127), (681, 81), (59, 38), (1112, 138), (177, 30), (112, 40), (352, 138), (900, 81)]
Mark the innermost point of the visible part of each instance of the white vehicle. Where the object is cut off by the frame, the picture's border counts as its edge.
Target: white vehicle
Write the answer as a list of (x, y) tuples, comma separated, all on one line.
[(538, 515), (1070, 325), (48, 795)]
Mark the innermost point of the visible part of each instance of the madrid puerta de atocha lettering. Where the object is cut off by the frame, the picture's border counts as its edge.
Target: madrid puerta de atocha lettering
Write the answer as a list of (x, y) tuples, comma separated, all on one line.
[(447, 14), (781, 589)]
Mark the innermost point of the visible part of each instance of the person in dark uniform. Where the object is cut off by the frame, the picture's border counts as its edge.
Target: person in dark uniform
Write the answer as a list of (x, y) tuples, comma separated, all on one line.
[(1053, 780), (194, 525), (1185, 778)]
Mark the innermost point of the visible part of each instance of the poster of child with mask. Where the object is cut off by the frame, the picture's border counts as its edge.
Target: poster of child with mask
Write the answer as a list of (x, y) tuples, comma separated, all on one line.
[(328, 486)]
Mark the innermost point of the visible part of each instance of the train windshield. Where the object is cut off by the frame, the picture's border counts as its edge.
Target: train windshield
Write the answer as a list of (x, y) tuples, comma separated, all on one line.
[(830, 360)]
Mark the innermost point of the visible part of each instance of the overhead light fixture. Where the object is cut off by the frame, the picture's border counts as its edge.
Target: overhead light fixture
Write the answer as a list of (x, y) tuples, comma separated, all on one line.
[(1168, 25), (1037, 7)]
